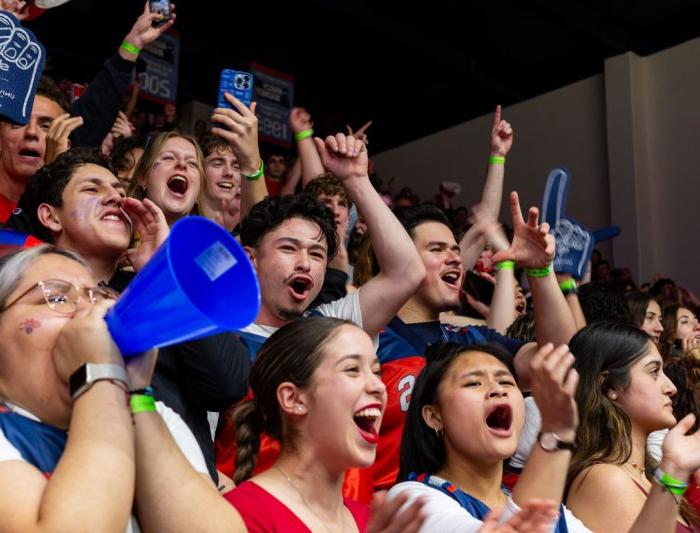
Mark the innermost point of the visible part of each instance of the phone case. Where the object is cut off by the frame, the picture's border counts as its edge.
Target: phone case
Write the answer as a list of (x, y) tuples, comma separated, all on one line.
[(162, 7), (237, 83)]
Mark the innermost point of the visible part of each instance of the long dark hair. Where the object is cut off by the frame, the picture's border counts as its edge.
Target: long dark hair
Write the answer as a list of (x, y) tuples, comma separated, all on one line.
[(637, 305), (421, 449), (291, 354), (605, 352)]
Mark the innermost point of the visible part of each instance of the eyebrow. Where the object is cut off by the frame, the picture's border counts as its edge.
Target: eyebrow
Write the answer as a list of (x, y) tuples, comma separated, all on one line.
[(481, 373), (298, 242), (443, 244), (101, 181), (655, 362), (356, 357)]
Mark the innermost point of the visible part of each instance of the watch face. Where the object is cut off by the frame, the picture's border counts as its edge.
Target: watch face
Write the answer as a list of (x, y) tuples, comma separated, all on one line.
[(549, 442), (77, 379)]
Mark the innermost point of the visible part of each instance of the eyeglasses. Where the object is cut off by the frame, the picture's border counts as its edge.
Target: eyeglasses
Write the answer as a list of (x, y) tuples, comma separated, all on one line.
[(63, 297)]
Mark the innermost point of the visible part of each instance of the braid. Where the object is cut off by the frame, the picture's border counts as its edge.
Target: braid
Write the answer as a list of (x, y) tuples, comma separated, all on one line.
[(249, 425)]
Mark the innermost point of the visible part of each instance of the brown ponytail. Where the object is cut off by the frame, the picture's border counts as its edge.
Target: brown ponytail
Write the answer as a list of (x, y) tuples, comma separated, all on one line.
[(249, 424)]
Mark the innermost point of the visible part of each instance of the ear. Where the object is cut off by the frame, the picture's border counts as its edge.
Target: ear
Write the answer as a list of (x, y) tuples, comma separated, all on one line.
[(431, 416), (48, 217), (291, 399), (251, 254)]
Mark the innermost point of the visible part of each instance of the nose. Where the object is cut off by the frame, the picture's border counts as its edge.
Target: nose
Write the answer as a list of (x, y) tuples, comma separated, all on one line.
[(453, 258), (31, 130), (497, 391), (303, 261), (112, 196), (658, 327), (669, 388)]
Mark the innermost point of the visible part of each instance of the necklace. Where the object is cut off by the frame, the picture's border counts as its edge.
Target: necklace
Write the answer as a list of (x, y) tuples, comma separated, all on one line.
[(301, 495)]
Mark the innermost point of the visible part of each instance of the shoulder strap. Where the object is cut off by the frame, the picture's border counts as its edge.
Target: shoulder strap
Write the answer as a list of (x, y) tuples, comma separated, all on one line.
[(39, 444)]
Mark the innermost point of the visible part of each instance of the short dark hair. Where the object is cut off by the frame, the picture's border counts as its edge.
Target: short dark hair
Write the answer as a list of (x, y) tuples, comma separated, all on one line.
[(47, 185), (210, 142), (48, 88), (265, 216), (603, 300), (122, 147), (421, 449), (414, 216)]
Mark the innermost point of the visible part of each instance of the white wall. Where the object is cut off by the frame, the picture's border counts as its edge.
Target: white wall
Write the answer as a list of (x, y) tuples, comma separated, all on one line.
[(629, 136)]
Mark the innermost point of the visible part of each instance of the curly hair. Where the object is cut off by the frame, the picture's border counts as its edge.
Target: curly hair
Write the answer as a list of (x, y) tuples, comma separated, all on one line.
[(267, 215), (327, 185)]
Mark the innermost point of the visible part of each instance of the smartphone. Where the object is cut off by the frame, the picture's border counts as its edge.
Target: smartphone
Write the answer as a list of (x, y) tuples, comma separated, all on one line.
[(237, 83), (163, 8), (479, 288)]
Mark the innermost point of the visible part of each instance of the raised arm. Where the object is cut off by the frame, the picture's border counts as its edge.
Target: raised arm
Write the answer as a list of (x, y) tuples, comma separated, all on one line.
[(240, 130), (492, 193), (302, 127), (103, 98), (401, 268), (502, 308), (553, 383), (533, 249)]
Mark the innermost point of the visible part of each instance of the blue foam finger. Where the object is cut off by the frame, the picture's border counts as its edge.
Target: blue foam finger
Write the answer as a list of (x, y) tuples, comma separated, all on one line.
[(555, 195), (22, 60), (574, 241), (603, 234)]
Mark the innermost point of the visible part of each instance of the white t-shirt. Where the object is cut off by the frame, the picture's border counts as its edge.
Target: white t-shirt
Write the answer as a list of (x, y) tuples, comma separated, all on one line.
[(345, 308), (446, 515), (178, 429)]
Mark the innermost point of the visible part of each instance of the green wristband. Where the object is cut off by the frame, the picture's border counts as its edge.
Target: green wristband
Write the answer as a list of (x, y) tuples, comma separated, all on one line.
[(505, 265), (673, 485), (568, 285), (258, 174), (497, 160), (304, 134), (142, 403), (539, 272), (132, 49)]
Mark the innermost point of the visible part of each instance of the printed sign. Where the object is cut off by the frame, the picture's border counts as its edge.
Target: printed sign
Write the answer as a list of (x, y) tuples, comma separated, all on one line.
[(274, 93), (215, 261), (22, 60), (162, 57)]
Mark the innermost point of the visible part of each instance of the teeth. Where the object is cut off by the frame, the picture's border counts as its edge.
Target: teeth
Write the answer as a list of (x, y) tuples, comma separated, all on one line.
[(181, 178), (226, 185), (111, 217), (370, 412), (450, 278)]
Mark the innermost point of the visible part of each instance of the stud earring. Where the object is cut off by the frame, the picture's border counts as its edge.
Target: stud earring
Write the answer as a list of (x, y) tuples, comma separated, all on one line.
[(439, 431), (612, 396)]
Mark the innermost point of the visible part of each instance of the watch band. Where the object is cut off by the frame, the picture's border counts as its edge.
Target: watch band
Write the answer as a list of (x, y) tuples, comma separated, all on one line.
[(90, 373), (560, 444)]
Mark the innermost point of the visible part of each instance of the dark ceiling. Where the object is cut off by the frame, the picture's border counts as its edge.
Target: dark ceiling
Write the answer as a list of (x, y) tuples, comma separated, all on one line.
[(412, 68)]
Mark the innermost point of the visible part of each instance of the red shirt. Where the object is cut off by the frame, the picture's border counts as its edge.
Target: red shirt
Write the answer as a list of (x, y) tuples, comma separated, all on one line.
[(357, 485), (264, 513), (6, 208), (274, 187)]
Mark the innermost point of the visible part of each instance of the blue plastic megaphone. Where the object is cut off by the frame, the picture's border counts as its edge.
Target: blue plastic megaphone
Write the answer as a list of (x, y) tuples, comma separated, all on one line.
[(200, 282)]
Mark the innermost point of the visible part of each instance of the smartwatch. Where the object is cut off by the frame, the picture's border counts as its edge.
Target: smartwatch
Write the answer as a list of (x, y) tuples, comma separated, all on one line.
[(550, 442), (90, 373)]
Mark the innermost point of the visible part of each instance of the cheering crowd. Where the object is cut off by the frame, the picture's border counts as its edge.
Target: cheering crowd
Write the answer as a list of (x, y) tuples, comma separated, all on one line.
[(413, 366)]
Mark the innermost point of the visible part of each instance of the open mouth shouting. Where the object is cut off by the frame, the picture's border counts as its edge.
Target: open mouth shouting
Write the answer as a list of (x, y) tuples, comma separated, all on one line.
[(500, 419), (451, 278), (178, 185), (299, 286), (367, 421)]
